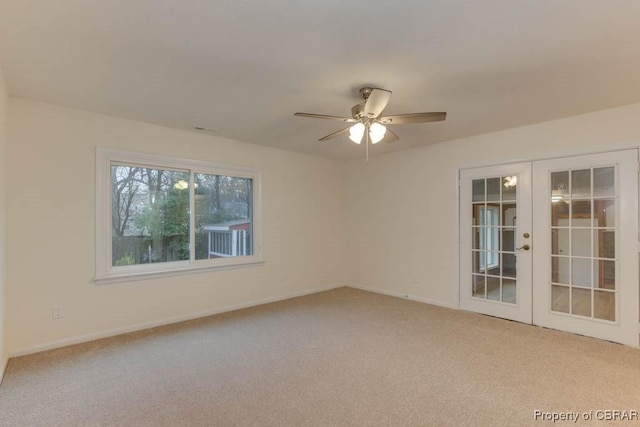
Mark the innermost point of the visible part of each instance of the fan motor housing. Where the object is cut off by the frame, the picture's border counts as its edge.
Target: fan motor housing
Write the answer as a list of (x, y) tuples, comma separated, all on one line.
[(357, 111)]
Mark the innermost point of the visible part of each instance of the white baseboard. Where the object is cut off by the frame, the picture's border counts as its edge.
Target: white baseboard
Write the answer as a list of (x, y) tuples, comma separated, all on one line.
[(404, 296), (141, 326)]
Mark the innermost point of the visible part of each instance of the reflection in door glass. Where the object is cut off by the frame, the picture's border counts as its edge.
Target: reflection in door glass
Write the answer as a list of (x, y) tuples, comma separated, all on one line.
[(580, 183), (583, 239), (493, 230)]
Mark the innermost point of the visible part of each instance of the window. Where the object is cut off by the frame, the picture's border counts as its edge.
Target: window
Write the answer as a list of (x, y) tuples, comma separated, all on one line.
[(159, 216)]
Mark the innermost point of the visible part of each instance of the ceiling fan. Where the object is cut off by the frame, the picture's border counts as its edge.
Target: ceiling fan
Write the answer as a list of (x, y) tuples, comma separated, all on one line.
[(368, 122)]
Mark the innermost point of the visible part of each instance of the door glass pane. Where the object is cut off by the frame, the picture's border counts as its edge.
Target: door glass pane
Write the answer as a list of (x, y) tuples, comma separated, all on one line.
[(581, 210), (604, 305), (475, 256), (478, 286), (493, 263), (581, 272), (559, 186), (493, 288), (604, 243), (508, 239), (509, 214), (493, 237), (509, 187), (581, 183), (560, 298), (560, 241), (478, 190), (492, 242), (581, 242), (604, 213), (493, 189), (603, 182), (509, 291), (560, 270), (606, 274), (477, 237), (583, 249), (581, 302), (559, 213), (478, 214), (508, 265)]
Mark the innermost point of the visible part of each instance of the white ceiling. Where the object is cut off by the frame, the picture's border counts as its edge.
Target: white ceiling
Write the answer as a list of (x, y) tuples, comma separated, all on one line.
[(244, 67)]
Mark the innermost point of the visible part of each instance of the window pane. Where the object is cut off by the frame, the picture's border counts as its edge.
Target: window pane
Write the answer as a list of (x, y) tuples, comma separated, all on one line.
[(150, 215), (223, 216)]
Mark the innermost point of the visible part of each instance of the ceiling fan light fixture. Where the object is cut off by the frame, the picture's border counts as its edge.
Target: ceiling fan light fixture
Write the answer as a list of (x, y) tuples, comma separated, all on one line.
[(356, 132), (376, 132)]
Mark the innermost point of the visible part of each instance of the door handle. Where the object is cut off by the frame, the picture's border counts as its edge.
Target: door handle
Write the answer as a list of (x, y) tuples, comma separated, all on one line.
[(525, 247)]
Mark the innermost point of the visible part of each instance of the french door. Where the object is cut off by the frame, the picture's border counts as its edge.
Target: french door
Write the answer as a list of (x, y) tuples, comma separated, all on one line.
[(495, 232), (554, 243)]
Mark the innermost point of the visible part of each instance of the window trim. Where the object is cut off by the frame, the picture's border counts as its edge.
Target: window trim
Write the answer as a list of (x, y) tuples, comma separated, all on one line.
[(105, 272)]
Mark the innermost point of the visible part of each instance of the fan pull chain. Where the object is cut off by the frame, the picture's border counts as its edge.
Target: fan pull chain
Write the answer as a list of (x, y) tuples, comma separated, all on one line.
[(366, 131)]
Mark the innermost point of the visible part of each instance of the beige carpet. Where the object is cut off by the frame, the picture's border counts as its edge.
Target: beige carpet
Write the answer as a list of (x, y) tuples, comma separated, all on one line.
[(343, 357)]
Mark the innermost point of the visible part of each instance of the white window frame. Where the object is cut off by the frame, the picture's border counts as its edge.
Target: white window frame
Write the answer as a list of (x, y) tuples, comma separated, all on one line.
[(107, 273)]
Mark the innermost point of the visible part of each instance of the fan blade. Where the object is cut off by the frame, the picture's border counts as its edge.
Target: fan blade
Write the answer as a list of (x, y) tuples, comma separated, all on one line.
[(390, 136), (335, 134), (376, 102), (401, 119), (324, 116)]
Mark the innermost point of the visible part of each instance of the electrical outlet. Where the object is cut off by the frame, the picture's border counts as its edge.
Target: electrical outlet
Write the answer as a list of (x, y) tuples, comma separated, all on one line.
[(58, 312)]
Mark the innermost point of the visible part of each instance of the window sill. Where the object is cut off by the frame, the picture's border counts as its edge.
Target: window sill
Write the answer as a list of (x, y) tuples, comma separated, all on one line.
[(171, 272)]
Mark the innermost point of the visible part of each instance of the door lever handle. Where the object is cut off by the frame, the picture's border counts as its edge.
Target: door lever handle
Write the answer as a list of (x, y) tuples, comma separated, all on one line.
[(525, 247)]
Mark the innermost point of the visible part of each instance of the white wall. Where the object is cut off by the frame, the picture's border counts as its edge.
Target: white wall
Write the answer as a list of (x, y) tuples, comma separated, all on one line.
[(401, 207), (51, 154), (387, 225), (3, 216)]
